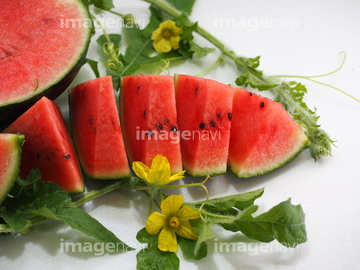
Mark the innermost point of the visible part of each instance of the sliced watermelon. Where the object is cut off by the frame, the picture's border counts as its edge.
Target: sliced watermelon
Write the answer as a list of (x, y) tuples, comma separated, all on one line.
[(263, 137), (42, 47), (204, 110), (48, 146), (149, 119), (96, 129), (10, 158)]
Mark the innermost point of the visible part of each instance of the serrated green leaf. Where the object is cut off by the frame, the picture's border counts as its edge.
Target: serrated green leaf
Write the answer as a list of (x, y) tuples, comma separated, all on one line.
[(114, 38), (200, 51), (188, 248), (14, 219), (284, 222), (153, 258), (182, 5), (83, 222)]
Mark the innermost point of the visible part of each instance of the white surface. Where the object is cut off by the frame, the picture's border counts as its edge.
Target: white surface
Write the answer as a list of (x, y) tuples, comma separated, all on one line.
[(292, 37)]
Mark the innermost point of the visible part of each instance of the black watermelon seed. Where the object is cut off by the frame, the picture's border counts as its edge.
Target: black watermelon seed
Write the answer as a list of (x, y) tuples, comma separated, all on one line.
[(218, 115), (262, 104), (67, 156), (202, 125), (148, 133), (138, 87), (159, 126), (91, 120), (173, 129), (212, 123), (144, 113), (230, 116), (196, 89), (251, 93)]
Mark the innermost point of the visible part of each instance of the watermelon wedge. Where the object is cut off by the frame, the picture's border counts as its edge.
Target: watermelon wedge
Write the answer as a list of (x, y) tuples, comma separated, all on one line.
[(149, 119), (48, 146), (263, 137), (204, 110), (42, 47), (10, 158), (96, 129)]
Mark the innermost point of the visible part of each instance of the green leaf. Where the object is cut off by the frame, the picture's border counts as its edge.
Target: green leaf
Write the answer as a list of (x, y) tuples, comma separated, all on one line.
[(182, 5), (284, 222), (83, 222), (189, 246), (204, 231), (14, 219), (114, 38), (94, 67), (200, 51), (152, 257), (101, 4)]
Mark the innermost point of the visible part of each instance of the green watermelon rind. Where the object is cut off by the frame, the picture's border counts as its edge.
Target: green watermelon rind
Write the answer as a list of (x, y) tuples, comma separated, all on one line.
[(9, 111), (17, 142), (249, 174)]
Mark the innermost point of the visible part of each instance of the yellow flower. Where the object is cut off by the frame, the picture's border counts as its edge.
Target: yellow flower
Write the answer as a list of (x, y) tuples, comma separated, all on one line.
[(159, 173), (166, 37), (173, 220)]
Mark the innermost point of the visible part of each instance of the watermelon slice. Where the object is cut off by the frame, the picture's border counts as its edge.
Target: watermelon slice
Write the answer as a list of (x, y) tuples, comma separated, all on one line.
[(149, 119), (96, 129), (42, 47), (10, 158), (263, 136), (48, 146), (204, 110)]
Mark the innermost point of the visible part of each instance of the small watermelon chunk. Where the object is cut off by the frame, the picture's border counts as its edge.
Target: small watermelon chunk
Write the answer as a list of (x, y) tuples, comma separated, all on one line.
[(204, 109), (149, 119), (10, 158), (263, 137), (48, 146), (42, 47), (96, 129)]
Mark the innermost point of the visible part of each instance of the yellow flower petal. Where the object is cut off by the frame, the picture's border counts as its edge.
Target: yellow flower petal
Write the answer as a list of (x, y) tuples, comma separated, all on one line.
[(185, 230), (174, 41), (176, 176), (140, 169), (167, 240), (166, 37), (171, 205), (155, 222), (160, 162), (187, 213)]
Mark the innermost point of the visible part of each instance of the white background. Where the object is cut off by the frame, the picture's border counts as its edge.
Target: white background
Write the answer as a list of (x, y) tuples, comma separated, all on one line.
[(292, 37)]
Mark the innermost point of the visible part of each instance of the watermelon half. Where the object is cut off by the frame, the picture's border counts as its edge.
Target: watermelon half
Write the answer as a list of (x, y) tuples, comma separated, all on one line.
[(149, 119), (10, 158), (96, 129), (263, 137), (204, 110), (48, 146), (43, 44)]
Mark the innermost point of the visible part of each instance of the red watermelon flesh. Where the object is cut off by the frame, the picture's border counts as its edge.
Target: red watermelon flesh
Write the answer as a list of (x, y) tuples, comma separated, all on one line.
[(149, 119), (204, 109), (96, 129), (263, 137), (48, 146), (10, 158), (43, 44)]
